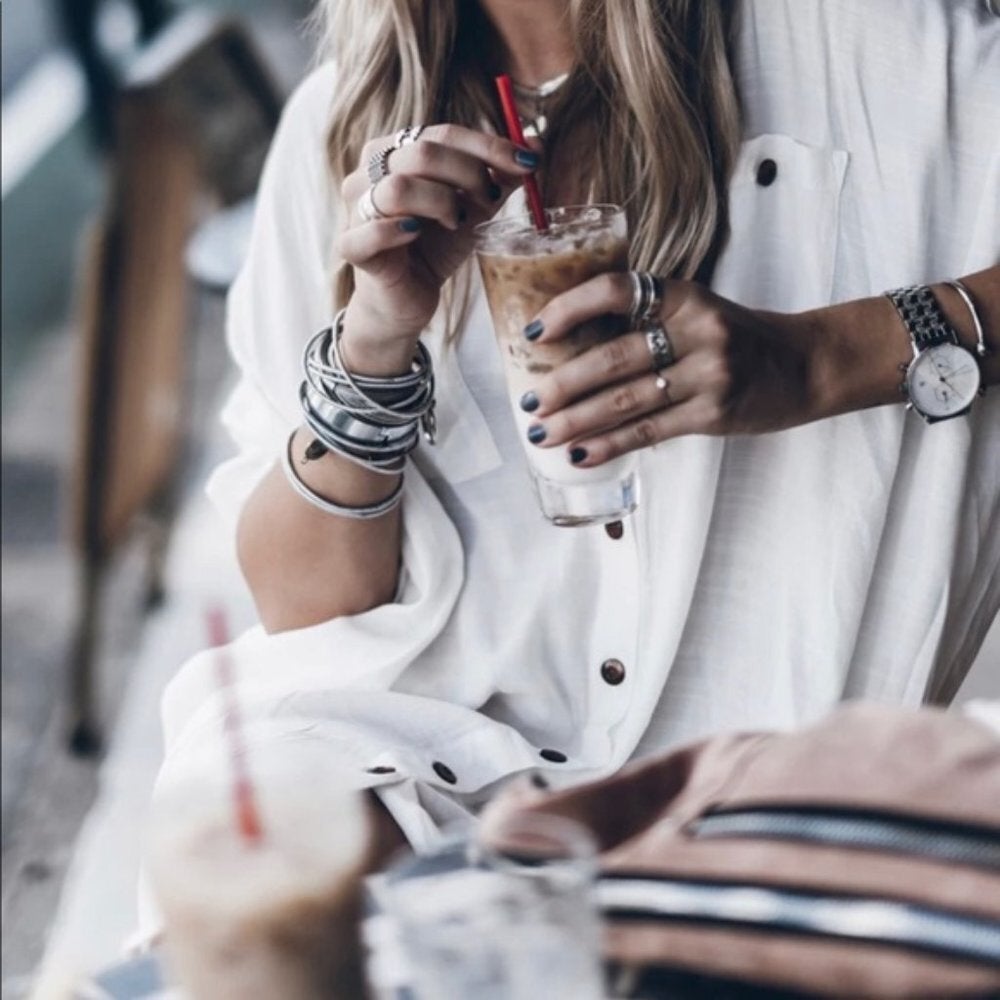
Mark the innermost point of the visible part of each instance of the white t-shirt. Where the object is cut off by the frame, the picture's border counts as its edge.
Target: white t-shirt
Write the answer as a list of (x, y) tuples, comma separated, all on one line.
[(764, 578)]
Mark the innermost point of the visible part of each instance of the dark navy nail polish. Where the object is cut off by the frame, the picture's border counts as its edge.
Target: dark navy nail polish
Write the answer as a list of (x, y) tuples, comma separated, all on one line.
[(577, 455), (411, 225), (496, 192), (526, 158), (536, 433), (534, 329), (529, 402), (462, 215)]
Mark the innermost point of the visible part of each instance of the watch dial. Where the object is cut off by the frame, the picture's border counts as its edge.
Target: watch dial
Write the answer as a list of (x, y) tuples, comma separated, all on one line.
[(943, 380)]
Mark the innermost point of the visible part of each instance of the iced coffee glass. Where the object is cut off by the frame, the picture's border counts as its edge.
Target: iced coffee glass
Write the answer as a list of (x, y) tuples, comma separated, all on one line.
[(267, 919), (522, 270)]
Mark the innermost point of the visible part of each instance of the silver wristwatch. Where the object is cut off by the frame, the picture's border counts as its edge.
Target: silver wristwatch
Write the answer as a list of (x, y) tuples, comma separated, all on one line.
[(943, 378)]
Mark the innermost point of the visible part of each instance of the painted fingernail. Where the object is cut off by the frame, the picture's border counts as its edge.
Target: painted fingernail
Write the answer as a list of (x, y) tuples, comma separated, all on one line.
[(534, 329), (411, 225), (577, 455), (496, 192), (529, 402), (536, 433), (462, 215), (526, 158)]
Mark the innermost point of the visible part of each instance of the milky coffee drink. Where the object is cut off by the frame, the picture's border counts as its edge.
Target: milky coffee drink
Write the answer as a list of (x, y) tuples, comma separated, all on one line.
[(522, 270)]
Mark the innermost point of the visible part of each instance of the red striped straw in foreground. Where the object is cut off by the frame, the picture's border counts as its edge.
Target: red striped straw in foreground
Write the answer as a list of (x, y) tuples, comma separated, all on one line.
[(247, 815), (506, 91)]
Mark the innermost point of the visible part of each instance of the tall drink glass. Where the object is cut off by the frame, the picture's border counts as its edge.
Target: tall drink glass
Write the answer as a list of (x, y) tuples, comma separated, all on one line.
[(280, 917), (523, 269)]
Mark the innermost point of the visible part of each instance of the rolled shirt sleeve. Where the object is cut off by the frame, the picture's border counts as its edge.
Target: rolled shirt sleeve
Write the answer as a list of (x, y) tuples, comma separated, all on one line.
[(330, 681)]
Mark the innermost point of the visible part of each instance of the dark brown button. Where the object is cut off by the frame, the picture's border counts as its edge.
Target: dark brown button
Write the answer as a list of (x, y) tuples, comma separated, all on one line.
[(767, 170), (444, 772), (381, 769), (613, 671), (556, 756), (614, 530)]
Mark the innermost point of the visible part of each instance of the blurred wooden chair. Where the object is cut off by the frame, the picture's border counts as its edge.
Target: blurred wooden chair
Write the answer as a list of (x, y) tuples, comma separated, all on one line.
[(193, 123)]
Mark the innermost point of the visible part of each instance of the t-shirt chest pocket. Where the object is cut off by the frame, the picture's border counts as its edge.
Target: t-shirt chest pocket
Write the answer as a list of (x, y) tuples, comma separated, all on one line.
[(784, 214)]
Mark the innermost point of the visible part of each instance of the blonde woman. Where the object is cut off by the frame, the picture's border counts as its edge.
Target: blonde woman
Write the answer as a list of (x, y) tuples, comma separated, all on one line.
[(802, 538)]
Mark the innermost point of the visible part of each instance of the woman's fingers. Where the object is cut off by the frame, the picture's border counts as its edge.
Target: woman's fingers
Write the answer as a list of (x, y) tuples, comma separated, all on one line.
[(684, 418), (494, 151), (613, 361), (616, 405), (435, 161), (406, 195), (453, 155), (609, 293), (359, 244)]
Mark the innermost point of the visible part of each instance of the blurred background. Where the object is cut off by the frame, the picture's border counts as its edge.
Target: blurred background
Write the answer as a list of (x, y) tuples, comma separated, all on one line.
[(133, 136)]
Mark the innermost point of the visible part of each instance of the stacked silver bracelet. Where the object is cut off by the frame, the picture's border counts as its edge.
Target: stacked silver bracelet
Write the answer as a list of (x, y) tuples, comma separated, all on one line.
[(371, 420)]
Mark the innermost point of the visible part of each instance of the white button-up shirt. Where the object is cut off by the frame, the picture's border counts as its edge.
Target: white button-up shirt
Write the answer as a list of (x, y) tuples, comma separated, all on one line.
[(763, 579)]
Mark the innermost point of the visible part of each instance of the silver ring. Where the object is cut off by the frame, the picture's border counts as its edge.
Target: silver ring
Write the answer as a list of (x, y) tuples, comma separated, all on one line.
[(367, 208), (647, 297), (378, 164), (637, 295), (654, 294), (661, 351), (406, 136)]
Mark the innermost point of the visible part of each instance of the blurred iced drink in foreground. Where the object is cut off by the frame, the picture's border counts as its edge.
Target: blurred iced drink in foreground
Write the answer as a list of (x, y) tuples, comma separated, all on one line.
[(273, 918)]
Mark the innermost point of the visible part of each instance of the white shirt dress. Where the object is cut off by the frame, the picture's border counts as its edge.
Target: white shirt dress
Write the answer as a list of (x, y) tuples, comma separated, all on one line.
[(763, 579)]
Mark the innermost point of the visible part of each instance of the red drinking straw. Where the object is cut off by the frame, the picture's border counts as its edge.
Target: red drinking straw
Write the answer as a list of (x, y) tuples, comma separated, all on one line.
[(506, 91), (247, 816)]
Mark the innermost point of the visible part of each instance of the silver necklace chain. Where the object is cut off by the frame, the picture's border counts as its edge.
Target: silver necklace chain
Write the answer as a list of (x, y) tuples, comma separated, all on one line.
[(532, 101)]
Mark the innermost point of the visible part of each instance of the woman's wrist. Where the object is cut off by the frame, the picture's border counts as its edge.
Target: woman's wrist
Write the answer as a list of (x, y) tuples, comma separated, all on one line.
[(858, 350), (374, 346), (861, 348), (337, 478)]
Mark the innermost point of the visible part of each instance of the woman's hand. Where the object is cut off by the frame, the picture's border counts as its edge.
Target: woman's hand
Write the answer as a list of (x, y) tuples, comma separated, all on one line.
[(437, 189), (737, 371)]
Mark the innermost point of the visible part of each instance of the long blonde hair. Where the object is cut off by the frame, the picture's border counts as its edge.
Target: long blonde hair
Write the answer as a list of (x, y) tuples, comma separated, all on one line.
[(651, 97)]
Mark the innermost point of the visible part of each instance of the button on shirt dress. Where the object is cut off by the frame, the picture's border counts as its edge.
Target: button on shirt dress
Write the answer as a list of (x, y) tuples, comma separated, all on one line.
[(763, 579)]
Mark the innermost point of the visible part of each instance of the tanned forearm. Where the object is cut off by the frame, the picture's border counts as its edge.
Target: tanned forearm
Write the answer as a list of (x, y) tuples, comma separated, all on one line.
[(305, 566), (863, 343)]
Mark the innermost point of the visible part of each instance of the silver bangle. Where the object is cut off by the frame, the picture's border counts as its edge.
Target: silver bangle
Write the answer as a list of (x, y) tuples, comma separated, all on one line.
[(386, 465), (384, 459), (981, 349), (343, 423), (372, 405), (394, 401), (361, 513)]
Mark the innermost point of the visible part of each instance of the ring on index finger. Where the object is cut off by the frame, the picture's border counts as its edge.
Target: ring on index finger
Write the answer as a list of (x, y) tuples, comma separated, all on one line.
[(378, 164), (405, 136), (661, 351)]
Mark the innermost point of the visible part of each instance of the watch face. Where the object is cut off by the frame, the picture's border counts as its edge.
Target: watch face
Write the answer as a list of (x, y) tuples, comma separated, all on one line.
[(943, 380)]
